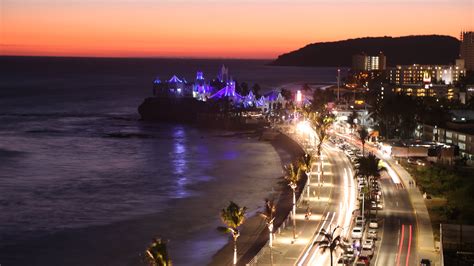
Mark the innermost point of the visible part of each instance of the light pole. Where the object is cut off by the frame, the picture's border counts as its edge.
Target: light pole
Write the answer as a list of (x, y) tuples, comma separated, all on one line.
[(338, 80)]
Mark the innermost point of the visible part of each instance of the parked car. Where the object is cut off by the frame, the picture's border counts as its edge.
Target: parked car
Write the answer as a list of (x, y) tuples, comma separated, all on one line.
[(356, 233), (367, 252), (373, 224), (420, 162), (372, 234), (425, 262), (376, 205), (359, 219), (363, 259), (368, 244)]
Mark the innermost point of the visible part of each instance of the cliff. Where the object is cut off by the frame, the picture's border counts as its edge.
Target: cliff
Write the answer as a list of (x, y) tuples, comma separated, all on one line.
[(424, 49)]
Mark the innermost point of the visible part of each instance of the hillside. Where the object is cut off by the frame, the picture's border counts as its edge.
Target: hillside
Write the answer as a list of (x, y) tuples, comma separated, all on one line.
[(423, 49)]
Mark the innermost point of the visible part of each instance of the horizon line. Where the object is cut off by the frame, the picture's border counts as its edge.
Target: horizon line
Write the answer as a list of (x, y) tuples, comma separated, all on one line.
[(139, 57)]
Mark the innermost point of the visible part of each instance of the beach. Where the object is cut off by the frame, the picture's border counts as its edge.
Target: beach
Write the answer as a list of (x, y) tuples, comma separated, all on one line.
[(254, 232)]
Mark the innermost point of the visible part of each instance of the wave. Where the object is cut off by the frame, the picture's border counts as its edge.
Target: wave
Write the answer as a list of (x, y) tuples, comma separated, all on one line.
[(129, 135), (126, 117)]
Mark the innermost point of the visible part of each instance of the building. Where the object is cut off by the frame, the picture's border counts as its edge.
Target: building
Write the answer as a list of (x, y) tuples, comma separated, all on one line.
[(467, 49), (419, 74), (364, 62), (427, 90), (459, 131)]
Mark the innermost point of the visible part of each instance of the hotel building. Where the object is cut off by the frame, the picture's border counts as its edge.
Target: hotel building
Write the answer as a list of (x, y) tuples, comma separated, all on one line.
[(418, 74), (364, 62)]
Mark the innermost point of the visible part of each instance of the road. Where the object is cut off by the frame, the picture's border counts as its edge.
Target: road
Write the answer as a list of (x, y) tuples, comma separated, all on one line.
[(398, 243), (340, 207)]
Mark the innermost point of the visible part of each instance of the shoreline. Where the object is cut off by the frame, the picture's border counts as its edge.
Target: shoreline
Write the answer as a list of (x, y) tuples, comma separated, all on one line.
[(254, 233), (130, 236)]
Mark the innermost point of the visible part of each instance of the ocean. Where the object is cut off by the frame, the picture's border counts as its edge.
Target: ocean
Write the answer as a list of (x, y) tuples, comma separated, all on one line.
[(84, 182)]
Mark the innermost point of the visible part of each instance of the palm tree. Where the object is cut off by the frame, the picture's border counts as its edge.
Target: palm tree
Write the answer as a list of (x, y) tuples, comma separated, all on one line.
[(292, 176), (351, 119), (269, 215), (363, 135), (307, 164), (321, 123), (157, 254), (233, 216), (370, 169), (329, 242)]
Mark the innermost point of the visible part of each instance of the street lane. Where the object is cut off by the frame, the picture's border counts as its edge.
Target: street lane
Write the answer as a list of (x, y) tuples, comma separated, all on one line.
[(394, 246), (397, 218)]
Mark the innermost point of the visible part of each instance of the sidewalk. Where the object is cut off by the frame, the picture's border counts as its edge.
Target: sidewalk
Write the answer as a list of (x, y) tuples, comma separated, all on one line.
[(286, 251)]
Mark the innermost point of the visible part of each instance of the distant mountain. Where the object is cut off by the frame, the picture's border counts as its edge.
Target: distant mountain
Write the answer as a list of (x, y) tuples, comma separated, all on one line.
[(423, 49)]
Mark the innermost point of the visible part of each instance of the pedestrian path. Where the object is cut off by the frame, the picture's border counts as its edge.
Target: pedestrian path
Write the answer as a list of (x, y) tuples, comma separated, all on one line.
[(286, 250)]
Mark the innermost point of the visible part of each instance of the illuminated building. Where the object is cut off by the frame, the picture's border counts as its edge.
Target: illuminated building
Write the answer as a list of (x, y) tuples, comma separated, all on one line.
[(467, 49), (419, 74), (364, 62), (458, 131), (427, 90), (223, 87)]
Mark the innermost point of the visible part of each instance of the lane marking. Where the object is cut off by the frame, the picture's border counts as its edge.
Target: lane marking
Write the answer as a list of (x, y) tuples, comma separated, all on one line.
[(409, 247), (400, 245), (319, 235), (315, 239)]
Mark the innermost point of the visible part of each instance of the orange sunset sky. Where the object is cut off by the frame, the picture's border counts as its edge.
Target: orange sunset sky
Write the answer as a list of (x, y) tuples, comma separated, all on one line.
[(211, 28)]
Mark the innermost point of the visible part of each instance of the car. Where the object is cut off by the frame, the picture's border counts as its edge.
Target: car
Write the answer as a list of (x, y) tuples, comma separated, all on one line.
[(376, 205), (368, 244), (367, 252), (349, 255), (363, 259), (425, 262), (373, 224), (359, 219), (360, 196), (420, 162), (372, 234), (356, 233)]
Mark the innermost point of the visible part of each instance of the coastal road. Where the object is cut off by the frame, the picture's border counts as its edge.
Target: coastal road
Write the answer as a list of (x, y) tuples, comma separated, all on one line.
[(340, 206), (397, 243)]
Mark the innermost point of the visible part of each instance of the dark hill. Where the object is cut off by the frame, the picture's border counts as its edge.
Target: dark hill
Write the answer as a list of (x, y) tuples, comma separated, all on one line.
[(424, 49)]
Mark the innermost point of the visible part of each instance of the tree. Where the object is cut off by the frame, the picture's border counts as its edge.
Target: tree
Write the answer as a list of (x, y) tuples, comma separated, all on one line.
[(286, 94), (369, 168), (269, 215), (157, 254), (351, 119), (306, 87), (307, 164), (244, 87), (292, 176), (363, 135), (329, 242), (256, 90), (321, 122), (233, 216)]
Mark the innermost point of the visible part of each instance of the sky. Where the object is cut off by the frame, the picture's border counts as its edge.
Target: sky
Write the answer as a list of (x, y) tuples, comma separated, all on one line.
[(214, 28)]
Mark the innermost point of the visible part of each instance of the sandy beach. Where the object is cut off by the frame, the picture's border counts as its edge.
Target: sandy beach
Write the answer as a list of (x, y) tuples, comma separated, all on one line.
[(254, 233)]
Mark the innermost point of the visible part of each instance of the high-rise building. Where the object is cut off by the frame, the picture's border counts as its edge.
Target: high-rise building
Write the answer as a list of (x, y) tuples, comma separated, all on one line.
[(364, 62), (467, 49), (419, 74)]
